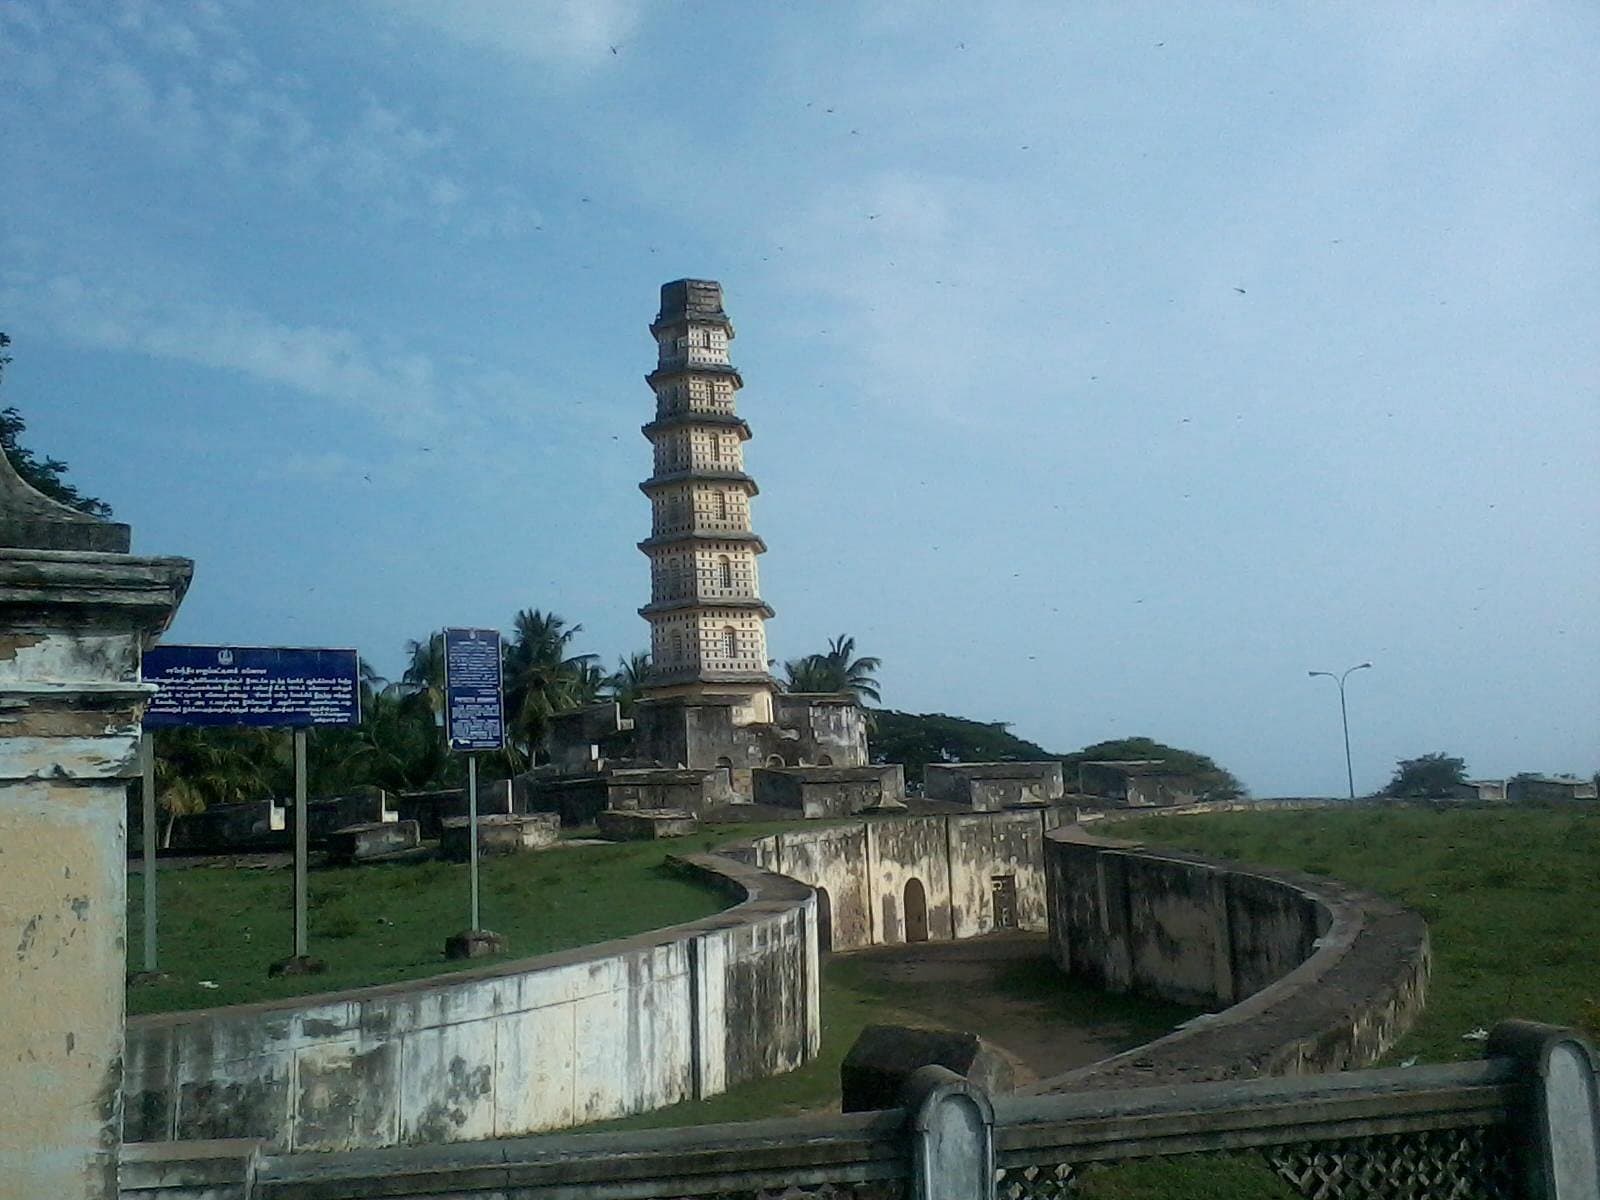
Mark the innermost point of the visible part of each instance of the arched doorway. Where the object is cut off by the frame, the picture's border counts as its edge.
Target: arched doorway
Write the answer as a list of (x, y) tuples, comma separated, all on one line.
[(824, 921), (916, 910), (825, 761)]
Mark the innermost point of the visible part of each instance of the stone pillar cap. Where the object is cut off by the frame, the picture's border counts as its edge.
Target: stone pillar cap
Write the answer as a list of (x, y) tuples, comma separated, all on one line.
[(30, 520)]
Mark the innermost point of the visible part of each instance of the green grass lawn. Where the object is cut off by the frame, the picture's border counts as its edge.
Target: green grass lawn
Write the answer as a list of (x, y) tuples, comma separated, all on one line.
[(383, 922), (1510, 900), (1510, 896)]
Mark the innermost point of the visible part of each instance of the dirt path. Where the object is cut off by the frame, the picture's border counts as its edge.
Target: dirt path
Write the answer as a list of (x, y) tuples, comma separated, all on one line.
[(1005, 989)]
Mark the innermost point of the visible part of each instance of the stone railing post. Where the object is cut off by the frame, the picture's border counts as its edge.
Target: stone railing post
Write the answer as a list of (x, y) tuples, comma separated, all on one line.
[(951, 1124), (1558, 1134), (76, 611)]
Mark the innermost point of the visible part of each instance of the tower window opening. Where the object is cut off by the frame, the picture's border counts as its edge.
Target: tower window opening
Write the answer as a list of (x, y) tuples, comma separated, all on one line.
[(722, 506), (725, 571), (730, 640)]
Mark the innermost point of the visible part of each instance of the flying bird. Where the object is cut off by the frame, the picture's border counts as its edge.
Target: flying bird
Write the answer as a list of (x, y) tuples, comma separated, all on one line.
[(1241, 291)]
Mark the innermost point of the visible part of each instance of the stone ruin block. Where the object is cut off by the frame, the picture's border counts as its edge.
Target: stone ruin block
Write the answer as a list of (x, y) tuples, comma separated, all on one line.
[(580, 799), (373, 840), (1137, 783), (232, 828), (831, 791), (877, 1066), (990, 787), (499, 833), (678, 789), (325, 815), (643, 825), (431, 809)]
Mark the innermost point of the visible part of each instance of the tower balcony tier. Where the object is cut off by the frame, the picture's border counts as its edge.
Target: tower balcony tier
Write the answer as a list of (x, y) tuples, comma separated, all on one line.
[(658, 483), (676, 365), (665, 322), (705, 534), (672, 676), (711, 598), (690, 417)]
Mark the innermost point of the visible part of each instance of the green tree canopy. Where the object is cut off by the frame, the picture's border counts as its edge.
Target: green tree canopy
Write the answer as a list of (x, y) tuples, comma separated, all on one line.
[(1431, 775), (46, 475)]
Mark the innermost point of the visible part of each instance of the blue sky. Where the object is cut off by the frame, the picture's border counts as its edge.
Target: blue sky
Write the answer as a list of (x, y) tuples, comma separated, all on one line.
[(1110, 365)]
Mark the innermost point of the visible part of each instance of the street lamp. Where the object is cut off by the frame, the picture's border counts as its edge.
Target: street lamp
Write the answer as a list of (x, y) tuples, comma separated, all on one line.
[(1344, 717)]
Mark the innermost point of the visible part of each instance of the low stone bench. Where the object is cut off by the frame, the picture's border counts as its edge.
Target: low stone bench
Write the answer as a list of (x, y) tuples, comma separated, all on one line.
[(645, 824), (374, 839), (499, 833)]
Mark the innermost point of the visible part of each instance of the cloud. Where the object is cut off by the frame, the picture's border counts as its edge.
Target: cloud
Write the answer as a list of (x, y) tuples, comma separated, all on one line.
[(405, 393), (401, 387), (567, 35), (183, 83)]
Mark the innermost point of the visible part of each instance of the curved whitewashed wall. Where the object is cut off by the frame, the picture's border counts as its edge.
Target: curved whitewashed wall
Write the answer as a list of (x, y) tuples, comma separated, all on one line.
[(544, 1043), (1309, 974)]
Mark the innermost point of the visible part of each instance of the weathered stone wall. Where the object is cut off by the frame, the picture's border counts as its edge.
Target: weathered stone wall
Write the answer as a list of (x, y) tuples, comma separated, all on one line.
[(868, 867), (545, 1043), (1313, 975)]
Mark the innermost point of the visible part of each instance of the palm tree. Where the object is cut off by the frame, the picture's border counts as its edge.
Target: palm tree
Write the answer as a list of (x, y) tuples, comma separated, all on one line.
[(835, 671), (628, 682), (397, 746), (542, 679), (198, 767), (424, 674)]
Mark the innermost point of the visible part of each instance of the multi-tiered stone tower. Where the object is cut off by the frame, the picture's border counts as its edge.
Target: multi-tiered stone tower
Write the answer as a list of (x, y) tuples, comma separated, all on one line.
[(707, 619), (711, 716)]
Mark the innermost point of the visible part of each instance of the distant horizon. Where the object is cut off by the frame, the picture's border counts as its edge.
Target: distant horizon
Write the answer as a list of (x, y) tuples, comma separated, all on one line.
[(1108, 369)]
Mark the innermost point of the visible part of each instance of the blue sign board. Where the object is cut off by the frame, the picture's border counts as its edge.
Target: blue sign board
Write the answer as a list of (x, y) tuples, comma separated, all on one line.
[(474, 701), (263, 686)]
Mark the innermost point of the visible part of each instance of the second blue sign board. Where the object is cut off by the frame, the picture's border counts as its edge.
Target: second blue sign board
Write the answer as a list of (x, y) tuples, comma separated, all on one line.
[(474, 709)]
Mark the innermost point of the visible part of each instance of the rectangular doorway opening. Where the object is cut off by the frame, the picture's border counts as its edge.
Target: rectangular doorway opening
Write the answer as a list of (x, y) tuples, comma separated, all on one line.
[(1004, 890)]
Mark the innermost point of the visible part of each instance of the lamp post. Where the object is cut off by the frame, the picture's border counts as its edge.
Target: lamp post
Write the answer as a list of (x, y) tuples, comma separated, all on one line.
[(1344, 717)]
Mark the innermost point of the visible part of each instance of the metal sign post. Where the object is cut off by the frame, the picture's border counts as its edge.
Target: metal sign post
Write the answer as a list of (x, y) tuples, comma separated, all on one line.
[(301, 842), (474, 722), (472, 838), (147, 779), (262, 687)]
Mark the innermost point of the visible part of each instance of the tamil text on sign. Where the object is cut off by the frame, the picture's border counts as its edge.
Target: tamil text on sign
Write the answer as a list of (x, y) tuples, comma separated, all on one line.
[(269, 686), (474, 712)]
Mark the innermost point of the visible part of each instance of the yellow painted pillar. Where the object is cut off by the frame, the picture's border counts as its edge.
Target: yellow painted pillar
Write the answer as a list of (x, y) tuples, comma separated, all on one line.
[(76, 611)]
